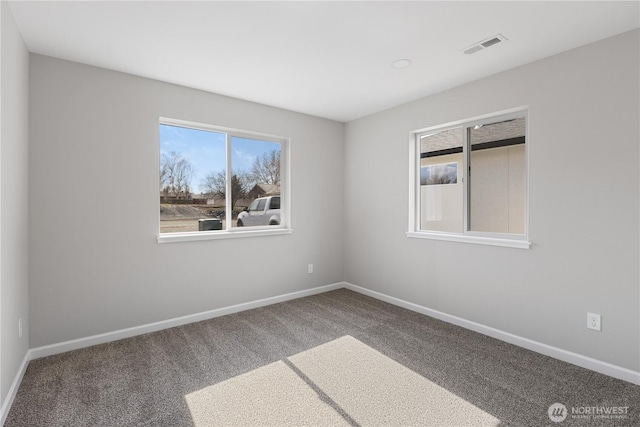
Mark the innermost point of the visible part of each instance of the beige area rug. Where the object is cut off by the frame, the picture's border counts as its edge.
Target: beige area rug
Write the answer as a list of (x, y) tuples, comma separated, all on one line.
[(342, 382)]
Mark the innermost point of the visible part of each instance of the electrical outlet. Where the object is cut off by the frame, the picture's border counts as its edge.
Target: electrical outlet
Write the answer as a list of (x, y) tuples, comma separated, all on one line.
[(20, 328), (310, 268), (593, 321)]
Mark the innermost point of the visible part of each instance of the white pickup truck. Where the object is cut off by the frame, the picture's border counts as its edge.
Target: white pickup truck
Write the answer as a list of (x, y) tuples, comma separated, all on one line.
[(262, 211)]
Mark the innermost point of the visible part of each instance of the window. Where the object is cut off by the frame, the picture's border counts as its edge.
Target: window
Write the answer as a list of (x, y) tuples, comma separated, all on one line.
[(469, 181), (275, 203), (211, 177), (254, 205)]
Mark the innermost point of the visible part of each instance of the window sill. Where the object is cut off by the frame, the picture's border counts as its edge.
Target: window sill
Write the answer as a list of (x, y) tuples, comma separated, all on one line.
[(216, 235), (490, 241)]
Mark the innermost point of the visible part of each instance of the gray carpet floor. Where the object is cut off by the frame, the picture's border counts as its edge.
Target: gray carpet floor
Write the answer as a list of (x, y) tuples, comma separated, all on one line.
[(143, 381)]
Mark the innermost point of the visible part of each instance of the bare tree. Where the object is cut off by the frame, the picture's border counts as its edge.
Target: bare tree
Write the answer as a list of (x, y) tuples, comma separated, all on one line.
[(215, 184), (175, 174), (163, 178), (266, 168)]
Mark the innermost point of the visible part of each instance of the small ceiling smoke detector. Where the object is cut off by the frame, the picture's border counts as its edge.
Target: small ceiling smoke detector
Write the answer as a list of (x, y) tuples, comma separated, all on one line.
[(401, 63), (481, 45)]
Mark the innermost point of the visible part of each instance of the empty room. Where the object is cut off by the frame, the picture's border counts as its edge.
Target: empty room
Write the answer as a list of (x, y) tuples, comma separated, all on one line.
[(322, 213)]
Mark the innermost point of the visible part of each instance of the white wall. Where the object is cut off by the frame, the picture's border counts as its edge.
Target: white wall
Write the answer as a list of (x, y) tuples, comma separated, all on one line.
[(442, 206), (94, 261), (584, 206), (95, 265), (14, 72), (498, 189)]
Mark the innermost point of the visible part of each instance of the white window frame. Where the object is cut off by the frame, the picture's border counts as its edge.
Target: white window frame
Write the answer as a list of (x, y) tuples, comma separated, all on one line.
[(520, 241), (237, 232)]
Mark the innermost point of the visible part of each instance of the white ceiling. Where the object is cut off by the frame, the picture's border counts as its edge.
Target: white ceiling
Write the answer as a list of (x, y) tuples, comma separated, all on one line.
[(327, 59)]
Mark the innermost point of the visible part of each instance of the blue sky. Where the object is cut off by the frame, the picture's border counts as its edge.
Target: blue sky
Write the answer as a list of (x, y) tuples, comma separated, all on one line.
[(206, 150)]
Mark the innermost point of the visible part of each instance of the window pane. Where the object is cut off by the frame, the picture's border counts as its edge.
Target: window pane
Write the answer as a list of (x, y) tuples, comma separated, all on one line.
[(441, 190), (275, 203), (192, 164), (497, 181), (254, 205), (255, 174)]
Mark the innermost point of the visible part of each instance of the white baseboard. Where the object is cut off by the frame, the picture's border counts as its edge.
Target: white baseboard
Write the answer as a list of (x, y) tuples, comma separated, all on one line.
[(13, 390), (178, 321), (49, 350), (557, 353)]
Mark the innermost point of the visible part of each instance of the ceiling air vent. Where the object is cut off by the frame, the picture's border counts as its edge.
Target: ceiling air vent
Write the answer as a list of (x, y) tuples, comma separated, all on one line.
[(476, 47)]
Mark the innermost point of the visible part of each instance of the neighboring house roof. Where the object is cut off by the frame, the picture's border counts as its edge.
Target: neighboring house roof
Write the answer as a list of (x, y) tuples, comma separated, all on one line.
[(265, 189), (452, 138)]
